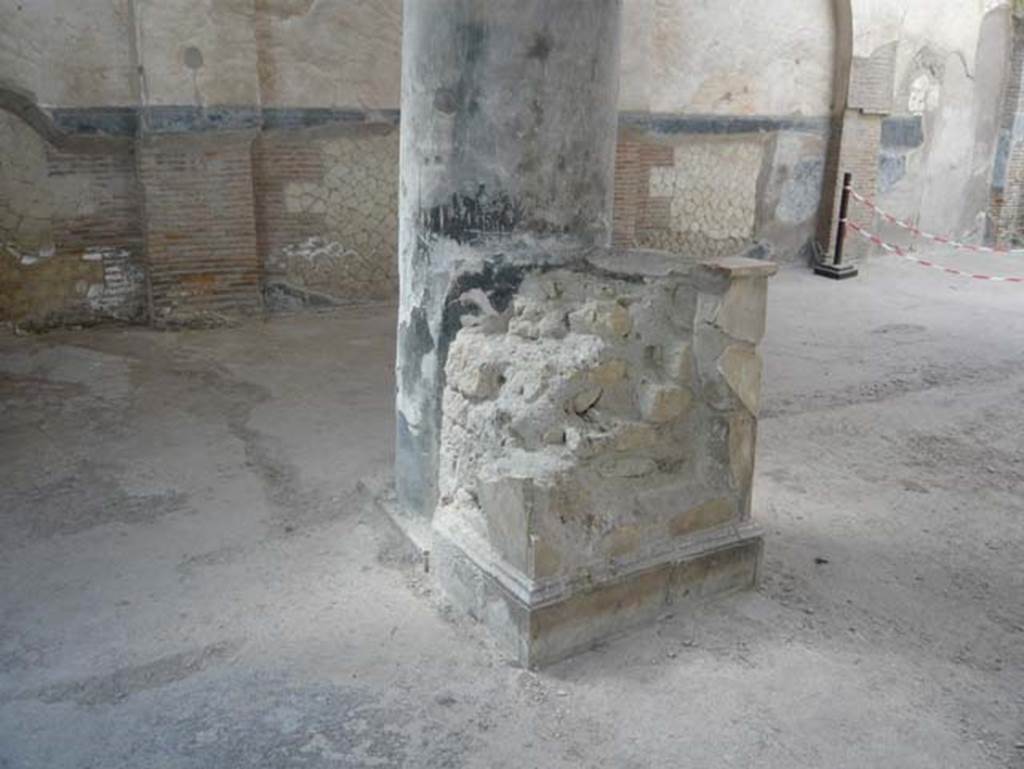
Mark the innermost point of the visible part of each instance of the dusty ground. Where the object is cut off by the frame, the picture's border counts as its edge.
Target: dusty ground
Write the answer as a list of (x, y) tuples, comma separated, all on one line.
[(190, 577)]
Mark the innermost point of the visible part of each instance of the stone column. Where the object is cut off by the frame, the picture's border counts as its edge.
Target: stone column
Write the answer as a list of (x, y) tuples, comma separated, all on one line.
[(576, 424), (509, 114)]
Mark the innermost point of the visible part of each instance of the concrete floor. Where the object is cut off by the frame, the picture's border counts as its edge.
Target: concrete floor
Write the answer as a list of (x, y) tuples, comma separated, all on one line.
[(191, 577)]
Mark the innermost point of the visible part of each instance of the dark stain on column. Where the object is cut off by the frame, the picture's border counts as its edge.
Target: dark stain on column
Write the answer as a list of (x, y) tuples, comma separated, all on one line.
[(466, 218), (416, 342), (499, 282), (416, 447), (541, 47), (471, 41)]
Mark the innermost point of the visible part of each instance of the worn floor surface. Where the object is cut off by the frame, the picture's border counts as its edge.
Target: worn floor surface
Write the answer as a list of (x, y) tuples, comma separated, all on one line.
[(189, 576)]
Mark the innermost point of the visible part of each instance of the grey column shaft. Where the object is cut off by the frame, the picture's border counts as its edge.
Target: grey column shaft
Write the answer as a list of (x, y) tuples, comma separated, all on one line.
[(509, 114)]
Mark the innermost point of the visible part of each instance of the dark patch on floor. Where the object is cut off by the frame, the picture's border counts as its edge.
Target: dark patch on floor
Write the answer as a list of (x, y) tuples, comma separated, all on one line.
[(83, 496), (121, 684), (296, 507)]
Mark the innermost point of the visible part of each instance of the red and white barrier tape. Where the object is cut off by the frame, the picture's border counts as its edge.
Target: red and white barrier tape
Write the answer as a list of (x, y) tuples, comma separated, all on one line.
[(927, 263), (927, 235)]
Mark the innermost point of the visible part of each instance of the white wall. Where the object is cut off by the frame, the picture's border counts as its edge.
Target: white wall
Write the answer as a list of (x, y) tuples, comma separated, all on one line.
[(680, 57), (69, 53), (691, 56), (951, 24), (950, 68), (341, 53), (198, 52), (732, 58)]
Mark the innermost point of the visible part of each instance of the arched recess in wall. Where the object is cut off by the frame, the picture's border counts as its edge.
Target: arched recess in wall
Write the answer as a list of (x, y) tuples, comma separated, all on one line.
[(70, 239), (26, 205), (22, 105), (37, 186)]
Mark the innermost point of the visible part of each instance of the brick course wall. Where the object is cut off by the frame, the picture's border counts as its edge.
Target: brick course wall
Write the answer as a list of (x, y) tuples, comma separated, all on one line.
[(70, 230), (327, 202), (854, 148), (716, 192), (200, 226), (278, 159), (110, 219), (219, 217), (1007, 203), (635, 211), (694, 195)]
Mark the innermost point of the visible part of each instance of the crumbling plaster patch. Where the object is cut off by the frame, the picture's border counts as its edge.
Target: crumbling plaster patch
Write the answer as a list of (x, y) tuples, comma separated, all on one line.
[(951, 81), (925, 92), (579, 427), (121, 293), (99, 283), (41, 283), (26, 199)]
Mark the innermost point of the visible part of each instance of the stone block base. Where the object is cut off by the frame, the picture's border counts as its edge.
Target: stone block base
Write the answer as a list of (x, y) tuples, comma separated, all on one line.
[(412, 533), (539, 625), (597, 443)]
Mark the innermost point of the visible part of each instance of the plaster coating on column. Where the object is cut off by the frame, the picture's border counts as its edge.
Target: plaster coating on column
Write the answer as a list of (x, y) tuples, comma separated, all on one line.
[(508, 141)]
